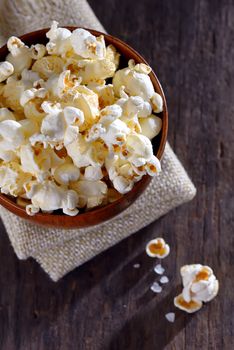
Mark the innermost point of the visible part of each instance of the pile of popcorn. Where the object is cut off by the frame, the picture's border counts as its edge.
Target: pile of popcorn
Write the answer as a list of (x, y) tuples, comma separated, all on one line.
[(74, 130)]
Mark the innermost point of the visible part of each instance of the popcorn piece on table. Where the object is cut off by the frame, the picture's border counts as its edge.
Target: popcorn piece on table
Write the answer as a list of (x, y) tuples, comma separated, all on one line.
[(157, 248), (199, 285), (190, 307)]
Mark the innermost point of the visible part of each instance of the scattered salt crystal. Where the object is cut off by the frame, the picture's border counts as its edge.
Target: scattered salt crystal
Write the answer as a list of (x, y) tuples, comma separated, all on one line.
[(156, 288), (159, 269), (124, 305), (170, 317), (164, 279), (136, 266)]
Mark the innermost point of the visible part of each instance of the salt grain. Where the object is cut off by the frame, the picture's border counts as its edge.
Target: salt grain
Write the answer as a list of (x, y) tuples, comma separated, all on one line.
[(136, 266), (156, 288), (164, 279), (159, 269), (170, 317)]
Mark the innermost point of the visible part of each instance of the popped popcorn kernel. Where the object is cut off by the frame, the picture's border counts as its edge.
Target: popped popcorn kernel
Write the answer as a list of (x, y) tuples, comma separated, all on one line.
[(6, 70), (157, 248), (190, 307), (75, 131), (199, 285)]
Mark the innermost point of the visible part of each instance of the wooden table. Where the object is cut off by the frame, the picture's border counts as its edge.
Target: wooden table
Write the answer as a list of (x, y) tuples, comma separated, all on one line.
[(106, 304)]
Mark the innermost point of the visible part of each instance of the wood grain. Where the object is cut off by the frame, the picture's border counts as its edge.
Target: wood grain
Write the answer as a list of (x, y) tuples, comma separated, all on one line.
[(106, 304)]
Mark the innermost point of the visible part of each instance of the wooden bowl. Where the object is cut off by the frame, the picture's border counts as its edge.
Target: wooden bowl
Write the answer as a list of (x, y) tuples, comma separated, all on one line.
[(100, 214)]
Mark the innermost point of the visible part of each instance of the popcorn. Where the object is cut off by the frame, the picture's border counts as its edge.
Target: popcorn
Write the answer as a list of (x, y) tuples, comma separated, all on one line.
[(6, 114), (115, 133), (33, 110), (65, 173), (30, 94), (80, 152), (199, 285), (109, 128), (122, 185), (190, 307), (157, 248), (6, 70), (105, 94), (59, 42), (58, 85), (93, 173), (53, 125), (11, 137), (87, 101), (93, 70), (121, 173), (153, 166), (47, 66), (135, 105), (48, 197), (91, 193), (12, 179), (12, 92), (112, 55), (69, 138), (73, 115), (150, 126), (19, 55), (30, 76), (87, 45), (157, 103), (136, 81), (139, 149), (28, 127), (37, 51)]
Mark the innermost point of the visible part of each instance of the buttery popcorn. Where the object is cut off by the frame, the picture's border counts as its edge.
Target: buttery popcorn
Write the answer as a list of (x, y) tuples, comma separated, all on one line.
[(199, 285), (6, 70), (157, 248), (70, 138)]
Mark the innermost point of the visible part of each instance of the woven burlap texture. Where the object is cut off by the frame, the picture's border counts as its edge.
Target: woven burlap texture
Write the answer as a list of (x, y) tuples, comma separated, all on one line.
[(60, 251)]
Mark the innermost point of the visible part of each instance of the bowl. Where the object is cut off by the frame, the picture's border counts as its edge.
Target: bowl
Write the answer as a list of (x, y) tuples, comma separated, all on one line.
[(100, 214)]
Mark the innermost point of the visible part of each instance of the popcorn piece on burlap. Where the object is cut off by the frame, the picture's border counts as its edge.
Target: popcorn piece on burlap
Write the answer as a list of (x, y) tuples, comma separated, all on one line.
[(60, 251)]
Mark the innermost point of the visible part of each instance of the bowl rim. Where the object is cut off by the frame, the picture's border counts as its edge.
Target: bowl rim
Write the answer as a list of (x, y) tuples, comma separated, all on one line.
[(78, 221)]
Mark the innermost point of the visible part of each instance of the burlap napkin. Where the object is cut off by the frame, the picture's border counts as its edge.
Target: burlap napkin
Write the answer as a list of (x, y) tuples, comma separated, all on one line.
[(60, 251)]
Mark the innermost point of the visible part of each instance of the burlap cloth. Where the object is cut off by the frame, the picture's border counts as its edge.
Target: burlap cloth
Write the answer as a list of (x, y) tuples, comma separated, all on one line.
[(60, 251)]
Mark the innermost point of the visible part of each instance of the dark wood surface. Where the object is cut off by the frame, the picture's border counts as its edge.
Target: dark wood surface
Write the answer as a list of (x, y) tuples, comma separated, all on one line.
[(106, 304)]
